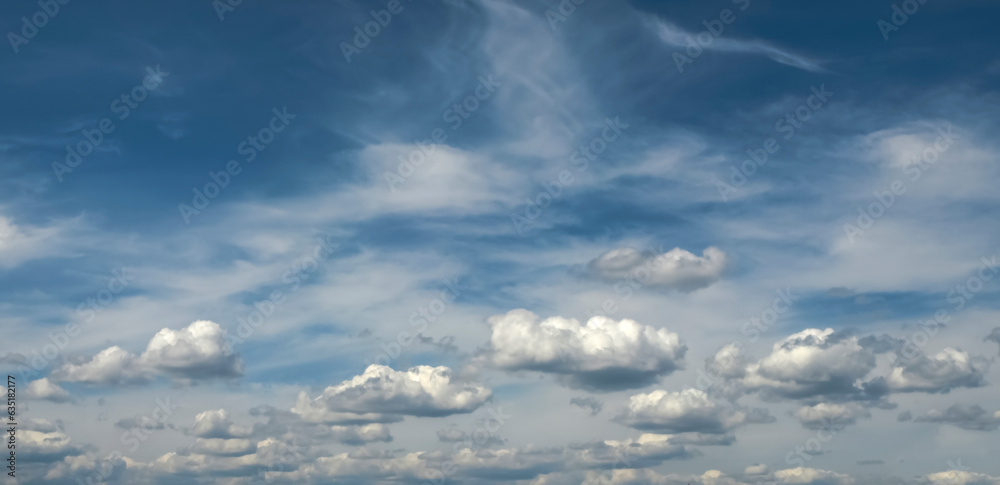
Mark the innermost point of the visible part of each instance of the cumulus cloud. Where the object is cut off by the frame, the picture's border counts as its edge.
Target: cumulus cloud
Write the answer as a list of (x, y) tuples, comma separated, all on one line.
[(675, 269), (198, 351), (960, 477), (383, 393), (602, 355), (811, 363), (964, 416), (830, 416), (361, 435), (940, 373), (111, 366), (223, 447), (46, 390), (689, 410), (216, 424), (812, 476)]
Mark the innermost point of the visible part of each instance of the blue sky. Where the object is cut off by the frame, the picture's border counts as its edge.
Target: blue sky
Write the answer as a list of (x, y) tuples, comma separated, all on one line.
[(724, 230)]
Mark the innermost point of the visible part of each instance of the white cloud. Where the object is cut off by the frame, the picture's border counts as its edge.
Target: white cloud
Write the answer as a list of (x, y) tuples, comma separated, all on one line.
[(198, 351), (604, 354), (47, 390), (811, 363), (223, 447), (359, 435), (110, 366), (812, 476), (216, 424), (689, 410), (960, 477), (419, 391)]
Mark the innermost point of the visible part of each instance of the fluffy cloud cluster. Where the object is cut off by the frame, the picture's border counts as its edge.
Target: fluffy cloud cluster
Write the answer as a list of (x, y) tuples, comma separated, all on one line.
[(217, 424), (822, 366), (602, 355), (811, 363), (198, 351), (686, 411), (675, 269), (382, 394)]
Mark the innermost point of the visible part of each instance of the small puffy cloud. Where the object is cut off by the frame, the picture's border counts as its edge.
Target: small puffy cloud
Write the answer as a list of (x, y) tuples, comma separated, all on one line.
[(965, 416), (198, 351), (316, 411), (689, 410), (216, 424), (946, 370), (46, 390), (419, 391), (603, 355), (645, 476), (361, 435), (34, 446), (450, 434), (675, 269), (959, 477), (591, 404), (111, 366), (223, 447), (756, 469), (811, 363), (830, 416), (645, 451), (812, 476)]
